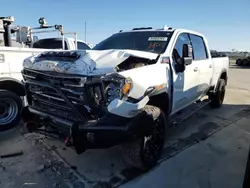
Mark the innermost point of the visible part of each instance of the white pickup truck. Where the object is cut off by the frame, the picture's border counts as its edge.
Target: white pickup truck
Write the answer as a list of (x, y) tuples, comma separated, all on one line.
[(124, 90), (11, 60)]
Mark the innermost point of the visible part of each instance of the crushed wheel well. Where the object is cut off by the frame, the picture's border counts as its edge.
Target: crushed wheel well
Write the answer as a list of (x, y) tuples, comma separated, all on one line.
[(13, 86), (161, 101)]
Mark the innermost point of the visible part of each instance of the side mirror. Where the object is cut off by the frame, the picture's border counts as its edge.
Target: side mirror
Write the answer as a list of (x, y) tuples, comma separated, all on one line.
[(186, 59), (187, 53)]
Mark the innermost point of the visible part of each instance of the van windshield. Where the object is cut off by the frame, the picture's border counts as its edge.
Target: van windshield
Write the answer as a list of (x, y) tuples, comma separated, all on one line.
[(148, 41)]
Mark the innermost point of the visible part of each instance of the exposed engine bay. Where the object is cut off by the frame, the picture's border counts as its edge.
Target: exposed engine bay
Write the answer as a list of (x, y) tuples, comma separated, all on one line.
[(134, 62)]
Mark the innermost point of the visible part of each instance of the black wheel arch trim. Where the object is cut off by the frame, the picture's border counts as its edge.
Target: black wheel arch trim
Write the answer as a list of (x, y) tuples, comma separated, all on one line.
[(13, 85), (165, 102), (224, 71), (215, 87)]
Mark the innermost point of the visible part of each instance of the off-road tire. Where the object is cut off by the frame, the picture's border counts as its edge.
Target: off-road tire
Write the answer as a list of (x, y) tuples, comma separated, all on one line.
[(218, 97), (13, 103), (134, 153)]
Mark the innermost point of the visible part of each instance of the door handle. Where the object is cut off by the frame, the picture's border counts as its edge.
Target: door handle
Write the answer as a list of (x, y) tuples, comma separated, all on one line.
[(196, 69), (210, 66)]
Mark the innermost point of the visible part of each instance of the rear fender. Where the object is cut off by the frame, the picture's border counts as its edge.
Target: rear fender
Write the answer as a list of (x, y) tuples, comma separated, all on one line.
[(223, 75)]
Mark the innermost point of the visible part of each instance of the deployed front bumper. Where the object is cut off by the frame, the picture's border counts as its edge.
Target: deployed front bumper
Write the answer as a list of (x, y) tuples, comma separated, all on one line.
[(102, 133)]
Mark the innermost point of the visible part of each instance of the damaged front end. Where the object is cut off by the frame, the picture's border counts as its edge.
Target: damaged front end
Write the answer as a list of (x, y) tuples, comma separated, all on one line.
[(86, 110)]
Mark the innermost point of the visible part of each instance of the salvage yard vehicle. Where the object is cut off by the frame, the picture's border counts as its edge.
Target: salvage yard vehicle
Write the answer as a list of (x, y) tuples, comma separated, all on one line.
[(123, 91), (12, 54)]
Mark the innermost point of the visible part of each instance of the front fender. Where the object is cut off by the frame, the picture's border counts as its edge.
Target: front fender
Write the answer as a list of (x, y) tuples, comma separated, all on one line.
[(146, 77), (127, 109)]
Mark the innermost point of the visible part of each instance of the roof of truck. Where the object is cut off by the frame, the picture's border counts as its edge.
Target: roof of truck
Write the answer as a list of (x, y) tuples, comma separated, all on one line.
[(145, 29), (60, 38), (165, 28)]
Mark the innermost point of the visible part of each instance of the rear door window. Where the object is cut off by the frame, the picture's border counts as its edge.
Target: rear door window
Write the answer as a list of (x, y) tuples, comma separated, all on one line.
[(199, 48)]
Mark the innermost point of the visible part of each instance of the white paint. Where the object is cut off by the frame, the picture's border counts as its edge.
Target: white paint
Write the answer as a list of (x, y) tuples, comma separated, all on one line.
[(185, 86), (89, 61), (127, 109), (81, 66), (218, 65), (13, 60), (145, 77), (196, 80)]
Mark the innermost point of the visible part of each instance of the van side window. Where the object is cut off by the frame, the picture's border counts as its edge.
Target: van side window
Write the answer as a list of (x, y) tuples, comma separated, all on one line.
[(82, 46), (199, 48), (177, 52)]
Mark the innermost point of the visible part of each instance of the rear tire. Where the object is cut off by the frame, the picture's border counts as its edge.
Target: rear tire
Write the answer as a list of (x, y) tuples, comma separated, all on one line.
[(10, 109), (144, 152), (218, 97)]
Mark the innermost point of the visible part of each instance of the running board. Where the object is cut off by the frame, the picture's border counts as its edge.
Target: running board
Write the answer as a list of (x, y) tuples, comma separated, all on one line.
[(182, 115)]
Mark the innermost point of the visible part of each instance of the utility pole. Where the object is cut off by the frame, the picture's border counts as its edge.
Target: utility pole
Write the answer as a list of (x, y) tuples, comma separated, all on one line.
[(85, 32)]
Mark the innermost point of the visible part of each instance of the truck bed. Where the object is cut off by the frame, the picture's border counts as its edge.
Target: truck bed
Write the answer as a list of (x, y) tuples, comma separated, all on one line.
[(13, 60), (219, 63)]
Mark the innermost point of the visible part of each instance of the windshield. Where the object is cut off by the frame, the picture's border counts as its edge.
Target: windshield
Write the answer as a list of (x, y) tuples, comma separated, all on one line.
[(148, 41)]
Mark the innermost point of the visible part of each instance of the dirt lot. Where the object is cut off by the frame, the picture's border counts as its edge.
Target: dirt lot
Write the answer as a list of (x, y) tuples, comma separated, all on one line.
[(207, 150)]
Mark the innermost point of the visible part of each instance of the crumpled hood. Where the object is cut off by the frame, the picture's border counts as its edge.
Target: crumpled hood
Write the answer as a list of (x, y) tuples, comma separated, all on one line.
[(89, 62)]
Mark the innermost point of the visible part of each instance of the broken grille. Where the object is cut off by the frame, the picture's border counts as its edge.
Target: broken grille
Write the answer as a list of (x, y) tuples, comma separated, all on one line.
[(68, 97)]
